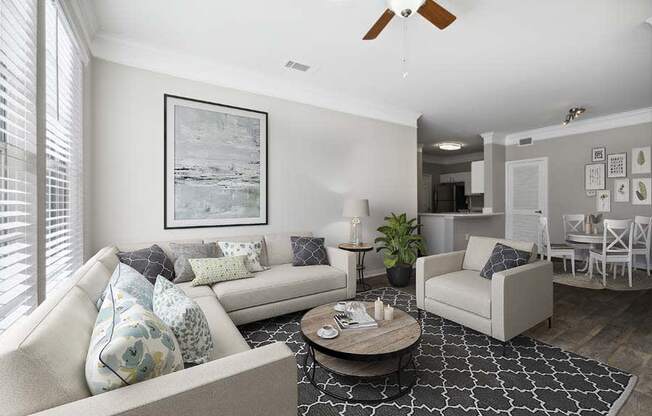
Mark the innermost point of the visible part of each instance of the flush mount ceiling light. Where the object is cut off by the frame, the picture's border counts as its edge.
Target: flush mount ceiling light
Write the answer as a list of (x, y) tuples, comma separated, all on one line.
[(574, 113), (449, 146)]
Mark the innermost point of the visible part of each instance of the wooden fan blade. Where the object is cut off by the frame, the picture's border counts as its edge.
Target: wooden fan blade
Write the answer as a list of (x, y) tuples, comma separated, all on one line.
[(379, 25), (436, 14)]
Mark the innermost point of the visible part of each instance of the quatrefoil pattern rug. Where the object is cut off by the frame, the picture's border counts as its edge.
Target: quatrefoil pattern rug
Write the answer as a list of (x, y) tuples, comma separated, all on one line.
[(461, 372)]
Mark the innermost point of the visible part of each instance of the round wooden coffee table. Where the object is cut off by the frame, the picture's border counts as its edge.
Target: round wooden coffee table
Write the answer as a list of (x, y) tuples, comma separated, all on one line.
[(381, 352)]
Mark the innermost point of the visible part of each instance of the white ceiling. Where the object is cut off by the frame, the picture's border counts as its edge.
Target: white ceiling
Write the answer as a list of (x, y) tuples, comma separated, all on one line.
[(504, 65)]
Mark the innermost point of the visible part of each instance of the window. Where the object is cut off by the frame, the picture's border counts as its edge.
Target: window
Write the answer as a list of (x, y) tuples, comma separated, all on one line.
[(17, 159), (63, 142), (60, 143)]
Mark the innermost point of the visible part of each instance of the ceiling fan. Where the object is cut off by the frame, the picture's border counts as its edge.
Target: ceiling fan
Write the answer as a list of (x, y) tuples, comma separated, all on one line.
[(432, 11)]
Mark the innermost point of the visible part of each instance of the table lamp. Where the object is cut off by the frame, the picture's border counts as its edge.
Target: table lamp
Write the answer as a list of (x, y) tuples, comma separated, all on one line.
[(354, 209)]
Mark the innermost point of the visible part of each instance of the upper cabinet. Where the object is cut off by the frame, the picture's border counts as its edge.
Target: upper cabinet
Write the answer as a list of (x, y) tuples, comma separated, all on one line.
[(477, 177)]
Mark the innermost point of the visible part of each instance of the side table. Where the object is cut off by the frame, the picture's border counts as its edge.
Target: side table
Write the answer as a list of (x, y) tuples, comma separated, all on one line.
[(360, 250)]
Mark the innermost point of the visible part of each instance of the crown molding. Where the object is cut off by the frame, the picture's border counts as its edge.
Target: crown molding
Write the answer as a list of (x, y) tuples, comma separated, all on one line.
[(195, 68), (453, 159), (81, 14), (612, 121)]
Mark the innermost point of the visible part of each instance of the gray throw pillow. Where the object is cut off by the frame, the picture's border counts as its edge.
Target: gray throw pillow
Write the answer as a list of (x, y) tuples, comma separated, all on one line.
[(182, 252), (151, 262), (504, 258), (308, 251)]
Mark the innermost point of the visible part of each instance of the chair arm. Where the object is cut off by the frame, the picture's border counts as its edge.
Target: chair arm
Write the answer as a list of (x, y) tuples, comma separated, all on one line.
[(433, 266), (345, 261), (520, 298), (262, 381)]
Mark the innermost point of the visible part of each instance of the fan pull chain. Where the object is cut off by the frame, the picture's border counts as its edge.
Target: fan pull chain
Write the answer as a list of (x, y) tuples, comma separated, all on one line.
[(404, 62)]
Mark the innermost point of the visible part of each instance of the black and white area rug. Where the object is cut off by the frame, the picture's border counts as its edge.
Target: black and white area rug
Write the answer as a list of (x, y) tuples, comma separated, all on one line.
[(462, 372)]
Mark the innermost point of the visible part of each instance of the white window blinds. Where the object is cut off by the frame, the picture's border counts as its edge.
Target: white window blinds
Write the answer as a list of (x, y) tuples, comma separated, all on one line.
[(64, 80), (17, 159)]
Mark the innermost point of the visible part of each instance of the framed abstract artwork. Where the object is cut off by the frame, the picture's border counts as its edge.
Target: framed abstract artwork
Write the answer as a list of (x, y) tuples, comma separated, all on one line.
[(598, 154), (215, 164), (621, 190), (641, 160), (594, 176), (617, 165)]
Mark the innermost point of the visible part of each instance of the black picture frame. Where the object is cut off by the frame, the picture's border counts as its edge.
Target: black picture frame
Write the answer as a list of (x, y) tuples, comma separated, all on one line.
[(167, 137)]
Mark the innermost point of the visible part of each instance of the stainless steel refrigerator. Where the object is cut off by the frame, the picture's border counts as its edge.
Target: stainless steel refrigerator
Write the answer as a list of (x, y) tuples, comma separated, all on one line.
[(449, 197)]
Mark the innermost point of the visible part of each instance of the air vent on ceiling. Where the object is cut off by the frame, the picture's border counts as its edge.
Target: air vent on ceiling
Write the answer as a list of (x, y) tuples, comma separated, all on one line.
[(297, 66), (525, 142)]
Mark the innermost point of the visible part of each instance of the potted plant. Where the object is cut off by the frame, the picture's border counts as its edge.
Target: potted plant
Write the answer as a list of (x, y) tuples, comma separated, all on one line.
[(400, 245)]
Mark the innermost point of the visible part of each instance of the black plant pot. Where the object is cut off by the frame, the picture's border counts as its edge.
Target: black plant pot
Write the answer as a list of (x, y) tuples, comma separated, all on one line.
[(399, 276)]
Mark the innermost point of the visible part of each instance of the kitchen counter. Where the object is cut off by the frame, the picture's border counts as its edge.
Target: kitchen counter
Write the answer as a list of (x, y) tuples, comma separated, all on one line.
[(450, 231), (459, 214)]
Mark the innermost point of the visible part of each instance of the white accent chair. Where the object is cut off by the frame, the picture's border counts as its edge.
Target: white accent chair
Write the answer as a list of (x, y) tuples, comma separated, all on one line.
[(563, 251), (617, 236), (512, 301), (642, 240)]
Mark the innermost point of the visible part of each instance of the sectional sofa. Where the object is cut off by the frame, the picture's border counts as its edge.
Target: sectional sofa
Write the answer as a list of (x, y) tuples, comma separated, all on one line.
[(42, 357)]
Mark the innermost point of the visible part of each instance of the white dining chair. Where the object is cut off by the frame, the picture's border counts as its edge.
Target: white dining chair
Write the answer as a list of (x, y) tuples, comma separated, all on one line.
[(617, 236), (563, 251), (573, 223), (642, 239)]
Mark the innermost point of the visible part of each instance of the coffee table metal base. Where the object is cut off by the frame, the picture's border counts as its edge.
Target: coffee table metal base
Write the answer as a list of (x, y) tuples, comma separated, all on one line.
[(399, 367)]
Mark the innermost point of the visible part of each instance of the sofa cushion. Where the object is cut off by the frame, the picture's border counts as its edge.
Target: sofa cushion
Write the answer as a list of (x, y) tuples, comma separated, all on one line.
[(308, 251), (504, 258), (186, 319), (195, 291), (464, 290), (253, 250), (93, 280), (479, 250), (279, 249), (182, 252), (108, 256), (277, 284), (227, 340), (129, 345), (42, 356), (151, 262)]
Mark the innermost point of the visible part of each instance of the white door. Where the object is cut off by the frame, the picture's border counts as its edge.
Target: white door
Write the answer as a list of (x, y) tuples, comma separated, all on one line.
[(526, 197), (426, 183)]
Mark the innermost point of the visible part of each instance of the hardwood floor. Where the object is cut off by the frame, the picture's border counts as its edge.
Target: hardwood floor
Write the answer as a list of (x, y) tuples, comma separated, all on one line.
[(608, 326)]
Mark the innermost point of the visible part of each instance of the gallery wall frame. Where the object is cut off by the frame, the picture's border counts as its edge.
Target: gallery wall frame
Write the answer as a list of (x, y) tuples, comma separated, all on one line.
[(209, 180)]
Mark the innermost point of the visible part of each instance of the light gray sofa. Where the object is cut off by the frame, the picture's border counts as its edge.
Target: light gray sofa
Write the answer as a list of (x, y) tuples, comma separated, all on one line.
[(42, 357), (450, 285)]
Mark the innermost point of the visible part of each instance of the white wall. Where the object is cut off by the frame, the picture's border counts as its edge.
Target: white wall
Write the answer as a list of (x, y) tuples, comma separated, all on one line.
[(317, 158)]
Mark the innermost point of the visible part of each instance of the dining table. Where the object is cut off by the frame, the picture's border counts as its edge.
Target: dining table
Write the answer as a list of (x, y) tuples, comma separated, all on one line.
[(578, 239)]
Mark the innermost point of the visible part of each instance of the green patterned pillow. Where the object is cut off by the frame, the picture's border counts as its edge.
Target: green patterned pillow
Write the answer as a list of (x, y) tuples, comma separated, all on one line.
[(129, 345), (186, 319), (219, 269)]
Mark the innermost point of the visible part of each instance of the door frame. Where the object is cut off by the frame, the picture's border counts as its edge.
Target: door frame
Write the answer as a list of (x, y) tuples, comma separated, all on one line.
[(509, 189)]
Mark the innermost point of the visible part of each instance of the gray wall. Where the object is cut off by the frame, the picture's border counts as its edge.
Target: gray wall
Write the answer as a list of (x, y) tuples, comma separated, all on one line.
[(317, 158), (567, 157)]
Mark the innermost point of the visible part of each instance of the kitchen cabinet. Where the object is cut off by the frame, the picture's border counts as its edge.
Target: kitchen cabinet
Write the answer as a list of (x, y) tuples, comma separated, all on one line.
[(477, 177), (457, 177)]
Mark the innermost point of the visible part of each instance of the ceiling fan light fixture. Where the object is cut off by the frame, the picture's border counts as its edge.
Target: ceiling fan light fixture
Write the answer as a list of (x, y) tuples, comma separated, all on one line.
[(449, 146), (404, 8), (573, 113)]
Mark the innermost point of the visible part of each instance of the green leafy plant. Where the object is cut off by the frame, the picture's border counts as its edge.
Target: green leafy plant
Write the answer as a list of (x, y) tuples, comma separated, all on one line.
[(641, 158), (400, 243), (641, 193)]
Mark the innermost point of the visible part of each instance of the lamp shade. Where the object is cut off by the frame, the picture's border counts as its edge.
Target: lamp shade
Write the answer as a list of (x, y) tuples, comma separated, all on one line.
[(356, 208)]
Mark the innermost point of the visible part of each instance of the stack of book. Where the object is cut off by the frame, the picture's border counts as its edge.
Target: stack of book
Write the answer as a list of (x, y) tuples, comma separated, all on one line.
[(360, 320)]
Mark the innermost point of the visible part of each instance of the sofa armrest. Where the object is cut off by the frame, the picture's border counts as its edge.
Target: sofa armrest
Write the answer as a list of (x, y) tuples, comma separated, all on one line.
[(262, 381), (345, 261), (520, 298), (433, 266)]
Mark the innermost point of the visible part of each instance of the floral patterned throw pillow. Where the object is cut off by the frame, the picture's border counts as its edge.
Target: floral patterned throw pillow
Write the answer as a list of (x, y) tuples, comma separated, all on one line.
[(220, 269), (129, 345), (252, 249), (186, 319)]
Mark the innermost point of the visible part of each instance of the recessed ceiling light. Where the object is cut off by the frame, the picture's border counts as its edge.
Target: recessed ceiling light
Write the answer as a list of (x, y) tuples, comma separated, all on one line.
[(449, 146)]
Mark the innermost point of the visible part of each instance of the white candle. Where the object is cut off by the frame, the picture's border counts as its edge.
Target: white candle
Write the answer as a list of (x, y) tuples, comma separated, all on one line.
[(378, 310), (389, 313)]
